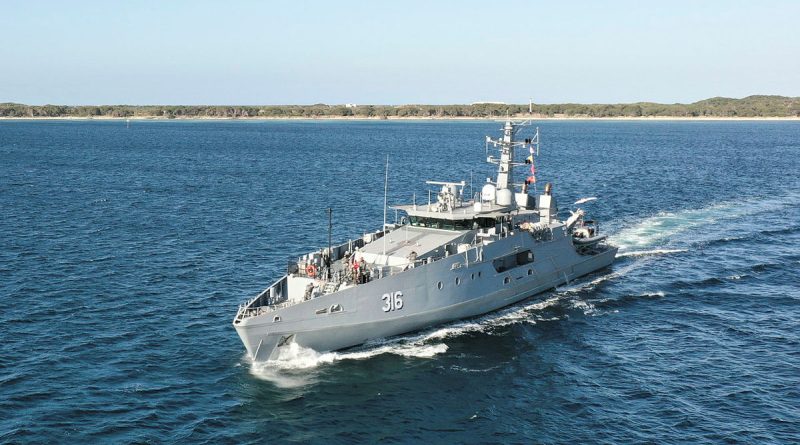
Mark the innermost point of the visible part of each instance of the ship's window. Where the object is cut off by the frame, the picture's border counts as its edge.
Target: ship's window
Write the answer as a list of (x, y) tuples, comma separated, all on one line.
[(472, 277), (513, 260), (485, 223), (322, 311), (463, 224), (479, 274), (276, 319), (435, 223), (530, 271), (439, 285), (458, 281), (506, 280), (336, 308)]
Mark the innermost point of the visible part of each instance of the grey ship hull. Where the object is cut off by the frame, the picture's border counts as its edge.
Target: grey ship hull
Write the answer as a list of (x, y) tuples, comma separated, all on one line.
[(470, 286)]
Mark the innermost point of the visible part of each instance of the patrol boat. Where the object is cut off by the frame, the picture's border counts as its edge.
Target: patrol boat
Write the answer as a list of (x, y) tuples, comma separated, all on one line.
[(445, 260)]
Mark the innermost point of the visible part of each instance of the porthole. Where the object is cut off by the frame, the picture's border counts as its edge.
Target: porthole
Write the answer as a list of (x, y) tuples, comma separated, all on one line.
[(336, 308), (458, 281), (530, 271), (472, 277), (506, 280), (479, 274), (276, 319), (439, 285)]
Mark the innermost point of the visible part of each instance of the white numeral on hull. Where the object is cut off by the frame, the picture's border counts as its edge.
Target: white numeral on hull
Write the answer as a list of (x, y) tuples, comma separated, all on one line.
[(392, 301)]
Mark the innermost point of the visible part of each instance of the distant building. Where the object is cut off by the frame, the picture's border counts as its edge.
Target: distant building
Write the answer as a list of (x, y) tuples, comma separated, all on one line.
[(488, 103), (350, 105)]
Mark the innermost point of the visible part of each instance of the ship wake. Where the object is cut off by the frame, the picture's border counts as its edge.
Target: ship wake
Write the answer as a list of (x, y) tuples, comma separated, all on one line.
[(676, 232)]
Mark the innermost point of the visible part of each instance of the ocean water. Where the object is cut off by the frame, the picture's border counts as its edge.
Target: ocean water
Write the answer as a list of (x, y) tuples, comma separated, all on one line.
[(124, 253)]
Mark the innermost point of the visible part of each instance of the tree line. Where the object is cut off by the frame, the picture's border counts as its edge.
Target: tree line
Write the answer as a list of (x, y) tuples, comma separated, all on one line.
[(751, 106)]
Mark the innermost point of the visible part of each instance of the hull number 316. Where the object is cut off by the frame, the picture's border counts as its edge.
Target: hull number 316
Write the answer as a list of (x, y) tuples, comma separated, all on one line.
[(392, 301)]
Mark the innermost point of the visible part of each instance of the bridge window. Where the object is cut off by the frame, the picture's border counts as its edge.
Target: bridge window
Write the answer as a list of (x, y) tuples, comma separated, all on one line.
[(486, 223), (463, 224), (437, 223)]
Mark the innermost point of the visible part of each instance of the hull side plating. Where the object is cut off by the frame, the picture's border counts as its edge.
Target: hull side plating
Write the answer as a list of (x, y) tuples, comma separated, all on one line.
[(480, 289)]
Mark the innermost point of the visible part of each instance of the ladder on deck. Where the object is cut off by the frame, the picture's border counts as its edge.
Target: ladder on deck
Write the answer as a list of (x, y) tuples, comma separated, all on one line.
[(330, 287)]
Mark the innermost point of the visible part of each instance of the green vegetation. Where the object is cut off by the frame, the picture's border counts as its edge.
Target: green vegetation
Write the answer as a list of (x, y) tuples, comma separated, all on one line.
[(752, 106)]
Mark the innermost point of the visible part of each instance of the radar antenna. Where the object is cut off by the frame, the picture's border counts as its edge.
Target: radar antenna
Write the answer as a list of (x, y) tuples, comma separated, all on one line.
[(506, 146)]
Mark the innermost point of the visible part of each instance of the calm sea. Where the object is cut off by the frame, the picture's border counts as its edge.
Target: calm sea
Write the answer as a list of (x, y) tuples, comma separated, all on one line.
[(124, 253)]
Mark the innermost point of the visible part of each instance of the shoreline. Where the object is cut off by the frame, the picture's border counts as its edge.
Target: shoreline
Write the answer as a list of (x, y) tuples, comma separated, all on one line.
[(404, 118)]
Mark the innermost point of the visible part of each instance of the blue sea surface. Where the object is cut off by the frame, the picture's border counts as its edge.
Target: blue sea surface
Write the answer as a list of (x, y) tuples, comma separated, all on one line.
[(124, 253)]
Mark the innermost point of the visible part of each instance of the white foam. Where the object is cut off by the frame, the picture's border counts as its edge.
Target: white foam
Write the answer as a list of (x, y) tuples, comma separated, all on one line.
[(295, 365), (411, 350), (585, 306), (493, 320), (637, 253), (472, 370), (424, 344), (516, 314), (297, 357), (659, 294), (665, 226), (454, 331), (662, 227)]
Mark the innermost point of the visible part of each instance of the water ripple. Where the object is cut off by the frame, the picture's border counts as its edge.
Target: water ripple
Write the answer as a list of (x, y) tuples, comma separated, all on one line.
[(125, 252)]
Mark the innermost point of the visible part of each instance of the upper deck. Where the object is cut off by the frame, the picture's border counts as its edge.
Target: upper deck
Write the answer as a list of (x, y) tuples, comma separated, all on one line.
[(468, 211), (407, 243)]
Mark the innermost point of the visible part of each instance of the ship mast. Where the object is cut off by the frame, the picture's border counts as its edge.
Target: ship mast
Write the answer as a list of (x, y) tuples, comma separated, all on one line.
[(506, 163)]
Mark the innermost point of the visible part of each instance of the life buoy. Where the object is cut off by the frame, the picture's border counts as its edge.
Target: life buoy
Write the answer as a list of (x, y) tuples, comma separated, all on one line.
[(311, 270)]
